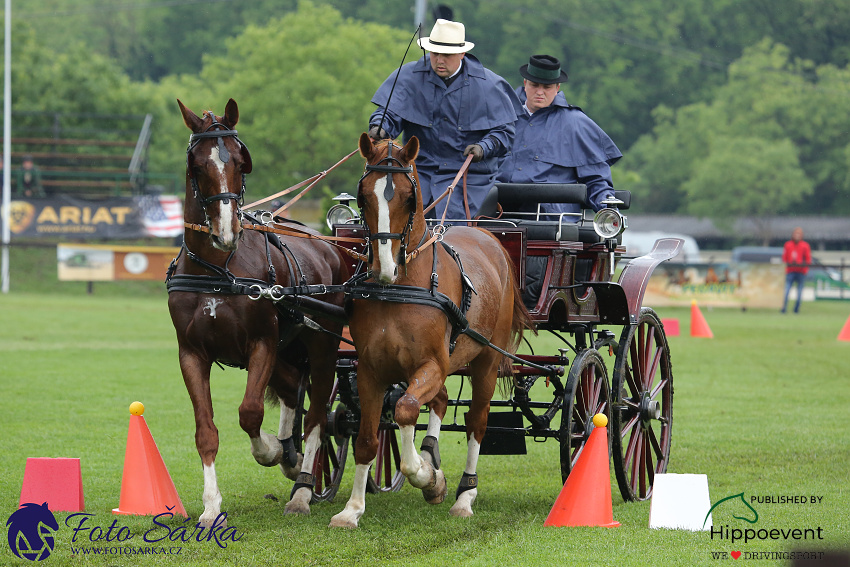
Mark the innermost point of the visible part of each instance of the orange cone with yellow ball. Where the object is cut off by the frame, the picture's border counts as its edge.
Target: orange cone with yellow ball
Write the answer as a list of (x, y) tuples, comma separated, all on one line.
[(146, 486), (585, 499)]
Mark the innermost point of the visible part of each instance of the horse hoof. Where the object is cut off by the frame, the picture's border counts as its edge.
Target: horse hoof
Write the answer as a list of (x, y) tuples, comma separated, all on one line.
[(436, 494), (293, 507), (208, 523), (463, 507), (337, 522), (460, 512)]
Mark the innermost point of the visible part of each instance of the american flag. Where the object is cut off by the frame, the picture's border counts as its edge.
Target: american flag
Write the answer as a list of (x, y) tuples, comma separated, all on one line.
[(162, 215)]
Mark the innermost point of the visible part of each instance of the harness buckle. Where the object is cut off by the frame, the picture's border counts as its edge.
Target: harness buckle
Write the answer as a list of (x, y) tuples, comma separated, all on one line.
[(259, 292), (276, 293)]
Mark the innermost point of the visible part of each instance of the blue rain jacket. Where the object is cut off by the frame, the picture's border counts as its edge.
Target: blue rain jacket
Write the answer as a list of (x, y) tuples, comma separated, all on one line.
[(479, 107), (561, 144)]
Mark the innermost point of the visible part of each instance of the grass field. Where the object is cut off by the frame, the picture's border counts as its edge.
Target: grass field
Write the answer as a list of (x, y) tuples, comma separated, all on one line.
[(761, 409)]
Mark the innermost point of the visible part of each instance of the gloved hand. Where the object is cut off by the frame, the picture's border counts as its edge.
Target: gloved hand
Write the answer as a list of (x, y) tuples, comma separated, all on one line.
[(476, 151), (378, 133)]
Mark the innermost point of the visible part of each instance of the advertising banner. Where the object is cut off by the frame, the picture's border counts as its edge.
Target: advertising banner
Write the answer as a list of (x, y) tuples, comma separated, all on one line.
[(83, 262), (719, 285), (108, 218)]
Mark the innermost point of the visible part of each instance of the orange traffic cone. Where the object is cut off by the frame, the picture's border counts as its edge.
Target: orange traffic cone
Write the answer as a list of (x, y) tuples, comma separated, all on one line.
[(146, 487), (844, 335), (699, 326), (585, 499)]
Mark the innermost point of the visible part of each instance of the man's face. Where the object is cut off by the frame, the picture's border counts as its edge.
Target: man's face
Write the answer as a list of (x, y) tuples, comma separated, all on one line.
[(445, 64), (539, 96)]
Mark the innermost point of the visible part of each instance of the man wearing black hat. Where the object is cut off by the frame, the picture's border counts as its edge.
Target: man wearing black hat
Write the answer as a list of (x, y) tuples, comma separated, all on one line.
[(556, 142)]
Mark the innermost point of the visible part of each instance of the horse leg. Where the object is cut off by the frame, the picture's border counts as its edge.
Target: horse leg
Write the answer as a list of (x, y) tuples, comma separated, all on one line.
[(483, 385), (322, 369), (365, 450), (426, 384), (267, 449), (430, 448), (196, 376)]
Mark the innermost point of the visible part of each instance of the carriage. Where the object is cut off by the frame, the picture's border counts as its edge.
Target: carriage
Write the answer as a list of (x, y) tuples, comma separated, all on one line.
[(565, 269), (561, 269)]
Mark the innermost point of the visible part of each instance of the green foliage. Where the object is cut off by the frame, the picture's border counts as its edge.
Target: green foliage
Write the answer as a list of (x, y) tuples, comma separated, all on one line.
[(664, 79), (303, 83), (772, 141)]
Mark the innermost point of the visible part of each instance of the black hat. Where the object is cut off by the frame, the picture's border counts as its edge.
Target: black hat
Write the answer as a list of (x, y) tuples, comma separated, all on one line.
[(543, 69)]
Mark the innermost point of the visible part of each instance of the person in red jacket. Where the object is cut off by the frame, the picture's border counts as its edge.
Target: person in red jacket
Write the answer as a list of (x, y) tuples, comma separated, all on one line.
[(797, 256)]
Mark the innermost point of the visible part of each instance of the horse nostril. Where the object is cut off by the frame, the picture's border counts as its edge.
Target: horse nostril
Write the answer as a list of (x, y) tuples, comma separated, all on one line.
[(395, 272)]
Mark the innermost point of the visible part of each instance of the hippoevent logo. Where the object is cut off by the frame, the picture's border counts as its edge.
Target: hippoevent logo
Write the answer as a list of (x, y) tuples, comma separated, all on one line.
[(31, 530), (743, 508)]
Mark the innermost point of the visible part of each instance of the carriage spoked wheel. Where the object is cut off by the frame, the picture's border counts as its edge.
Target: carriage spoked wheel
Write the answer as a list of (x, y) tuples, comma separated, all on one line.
[(386, 475), (587, 393), (332, 453), (642, 415)]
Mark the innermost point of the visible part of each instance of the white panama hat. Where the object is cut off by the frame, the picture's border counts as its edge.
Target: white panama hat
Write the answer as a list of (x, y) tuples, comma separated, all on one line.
[(446, 37)]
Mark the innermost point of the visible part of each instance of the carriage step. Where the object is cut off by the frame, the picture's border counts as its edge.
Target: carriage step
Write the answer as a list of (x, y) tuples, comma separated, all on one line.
[(496, 443)]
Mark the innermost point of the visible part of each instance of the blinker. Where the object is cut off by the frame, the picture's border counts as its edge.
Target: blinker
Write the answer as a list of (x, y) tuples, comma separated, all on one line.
[(223, 154)]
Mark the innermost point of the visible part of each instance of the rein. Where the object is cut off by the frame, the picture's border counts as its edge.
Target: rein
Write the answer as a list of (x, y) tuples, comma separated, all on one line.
[(312, 183)]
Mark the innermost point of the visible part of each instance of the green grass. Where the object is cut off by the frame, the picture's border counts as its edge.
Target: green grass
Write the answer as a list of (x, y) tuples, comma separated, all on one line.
[(761, 409)]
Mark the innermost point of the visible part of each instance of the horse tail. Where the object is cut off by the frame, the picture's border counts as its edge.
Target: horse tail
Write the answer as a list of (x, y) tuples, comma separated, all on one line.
[(520, 322)]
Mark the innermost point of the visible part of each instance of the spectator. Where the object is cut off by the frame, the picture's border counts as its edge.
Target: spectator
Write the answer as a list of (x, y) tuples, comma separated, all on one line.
[(29, 180), (797, 256), (556, 142), (456, 107)]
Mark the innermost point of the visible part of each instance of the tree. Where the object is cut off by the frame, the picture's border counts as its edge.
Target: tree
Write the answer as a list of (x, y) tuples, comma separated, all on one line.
[(303, 83), (776, 121)]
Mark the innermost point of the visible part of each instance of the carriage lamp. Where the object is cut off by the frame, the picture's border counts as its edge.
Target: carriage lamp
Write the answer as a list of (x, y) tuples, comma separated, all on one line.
[(609, 223), (342, 212)]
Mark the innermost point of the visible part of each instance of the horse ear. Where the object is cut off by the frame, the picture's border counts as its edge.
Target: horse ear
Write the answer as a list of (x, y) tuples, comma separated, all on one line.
[(190, 118), (410, 149), (231, 113), (367, 148)]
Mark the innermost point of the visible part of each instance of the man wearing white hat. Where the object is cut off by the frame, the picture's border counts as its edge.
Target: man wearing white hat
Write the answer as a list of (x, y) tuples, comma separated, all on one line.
[(456, 107)]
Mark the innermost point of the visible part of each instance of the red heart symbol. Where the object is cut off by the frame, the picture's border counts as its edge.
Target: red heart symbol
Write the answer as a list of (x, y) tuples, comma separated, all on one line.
[(735, 554)]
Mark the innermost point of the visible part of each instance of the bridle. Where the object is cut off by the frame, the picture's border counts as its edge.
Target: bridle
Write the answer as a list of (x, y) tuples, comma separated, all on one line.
[(393, 165), (224, 155)]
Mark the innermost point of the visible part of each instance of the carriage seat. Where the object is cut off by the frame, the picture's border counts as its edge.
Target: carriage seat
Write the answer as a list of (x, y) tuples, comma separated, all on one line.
[(520, 201)]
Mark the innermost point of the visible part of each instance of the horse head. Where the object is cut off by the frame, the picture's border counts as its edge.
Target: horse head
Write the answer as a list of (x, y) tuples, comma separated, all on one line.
[(216, 164), (390, 203)]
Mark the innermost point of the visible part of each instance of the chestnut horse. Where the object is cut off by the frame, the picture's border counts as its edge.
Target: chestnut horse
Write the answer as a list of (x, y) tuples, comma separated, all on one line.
[(414, 344), (217, 321)]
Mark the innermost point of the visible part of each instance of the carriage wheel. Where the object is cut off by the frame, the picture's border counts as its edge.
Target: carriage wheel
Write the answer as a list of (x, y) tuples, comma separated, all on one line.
[(587, 393), (643, 406), (386, 475)]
